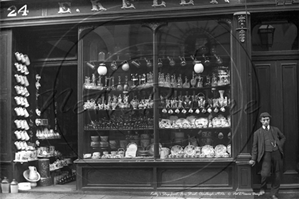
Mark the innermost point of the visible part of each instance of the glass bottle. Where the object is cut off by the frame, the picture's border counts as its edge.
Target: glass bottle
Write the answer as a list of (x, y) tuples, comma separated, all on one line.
[(179, 81), (5, 185), (214, 80), (126, 86), (93, 80), (193, 80), (113, 83), (99, 83), (173, 81), (119, 86), (143, 79), (14, 186), (200, 82), (186, 83)]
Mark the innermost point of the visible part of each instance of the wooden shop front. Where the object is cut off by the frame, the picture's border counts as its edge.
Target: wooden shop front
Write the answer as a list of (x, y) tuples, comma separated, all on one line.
[(155, 96)]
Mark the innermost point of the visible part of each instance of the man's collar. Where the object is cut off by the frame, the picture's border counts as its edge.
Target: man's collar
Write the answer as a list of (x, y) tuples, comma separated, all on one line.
[(268, 127)]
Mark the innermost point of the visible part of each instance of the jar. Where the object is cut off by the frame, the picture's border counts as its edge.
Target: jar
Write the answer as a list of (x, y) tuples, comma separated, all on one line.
[(5, 185), (14, 186)]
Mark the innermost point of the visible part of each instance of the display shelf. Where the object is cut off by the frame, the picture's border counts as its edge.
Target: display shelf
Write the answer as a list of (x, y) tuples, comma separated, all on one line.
[(119, 129), (99, 90), (22, 161), (197, 128), (141, 160), (219, 87)]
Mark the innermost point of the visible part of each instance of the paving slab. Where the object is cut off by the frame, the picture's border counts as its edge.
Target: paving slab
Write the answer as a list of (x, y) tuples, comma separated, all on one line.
[(93, 196), (116, 197), (21, 196)]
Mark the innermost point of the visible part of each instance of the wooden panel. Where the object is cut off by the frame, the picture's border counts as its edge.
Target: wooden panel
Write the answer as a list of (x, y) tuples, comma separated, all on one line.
[(262, 86), (194, 177), (4, 134), (5, 95), (290, 115), (3, 60), (117, 177), (244, 175), (263, 72), (277, 91), (6, 170)]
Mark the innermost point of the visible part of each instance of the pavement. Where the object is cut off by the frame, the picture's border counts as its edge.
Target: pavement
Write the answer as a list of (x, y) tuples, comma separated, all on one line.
[(292, 194)]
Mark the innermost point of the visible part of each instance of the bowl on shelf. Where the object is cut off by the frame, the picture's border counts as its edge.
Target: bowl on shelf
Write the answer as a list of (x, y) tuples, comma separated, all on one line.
[(24, 186), (95, 138), (95, 144), (33, 183), (104, 138)]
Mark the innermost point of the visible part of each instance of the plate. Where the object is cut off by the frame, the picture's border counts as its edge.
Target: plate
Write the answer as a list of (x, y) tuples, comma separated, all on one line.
[(189, 150), (176, 149), (220, 149), (207, 150)]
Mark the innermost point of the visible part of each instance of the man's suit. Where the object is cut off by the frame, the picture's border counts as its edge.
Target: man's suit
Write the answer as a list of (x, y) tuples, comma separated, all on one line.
[(271, 160)]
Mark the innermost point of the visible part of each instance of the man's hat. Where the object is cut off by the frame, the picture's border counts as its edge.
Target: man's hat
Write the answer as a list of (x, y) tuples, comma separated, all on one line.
[(264, 114)]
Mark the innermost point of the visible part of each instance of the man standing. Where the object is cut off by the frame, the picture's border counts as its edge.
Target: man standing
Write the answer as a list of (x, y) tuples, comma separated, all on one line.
[(267, 147)]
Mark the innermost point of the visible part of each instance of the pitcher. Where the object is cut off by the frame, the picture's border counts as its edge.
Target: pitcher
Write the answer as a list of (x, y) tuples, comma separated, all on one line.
[(32, 173)]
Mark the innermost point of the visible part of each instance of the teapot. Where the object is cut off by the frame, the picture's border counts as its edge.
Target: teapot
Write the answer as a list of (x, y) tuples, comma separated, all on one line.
[(32, 173)]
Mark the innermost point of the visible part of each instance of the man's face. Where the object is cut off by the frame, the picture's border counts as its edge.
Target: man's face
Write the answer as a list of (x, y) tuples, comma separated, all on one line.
[(265, 121)]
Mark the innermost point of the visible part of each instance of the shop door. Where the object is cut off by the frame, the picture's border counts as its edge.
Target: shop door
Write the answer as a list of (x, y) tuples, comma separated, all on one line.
[(275, 86)]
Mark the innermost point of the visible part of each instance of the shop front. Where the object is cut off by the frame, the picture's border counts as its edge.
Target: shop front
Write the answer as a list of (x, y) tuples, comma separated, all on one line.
[(139, 95)]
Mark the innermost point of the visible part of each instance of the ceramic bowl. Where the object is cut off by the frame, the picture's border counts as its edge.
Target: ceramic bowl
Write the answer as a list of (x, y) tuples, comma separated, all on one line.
[(24, 186), (104, 138), (26, 176), (95, 144), (94, 138)]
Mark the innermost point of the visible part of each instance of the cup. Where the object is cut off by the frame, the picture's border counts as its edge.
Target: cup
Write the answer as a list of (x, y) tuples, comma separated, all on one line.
[(95, 138), (171, 61), (104, 138), (148, 62), (114, 65), (182, 61), (96, 155), (160, 64)]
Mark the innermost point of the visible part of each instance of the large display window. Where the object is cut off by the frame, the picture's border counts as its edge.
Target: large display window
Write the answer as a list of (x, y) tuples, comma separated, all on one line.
[(155, 91)]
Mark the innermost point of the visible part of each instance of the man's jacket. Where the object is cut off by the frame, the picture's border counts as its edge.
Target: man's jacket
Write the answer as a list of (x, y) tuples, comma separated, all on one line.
[(258, 147)]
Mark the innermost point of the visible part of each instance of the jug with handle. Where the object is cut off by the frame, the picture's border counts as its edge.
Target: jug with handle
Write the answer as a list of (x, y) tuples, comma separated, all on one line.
[(32, 173)]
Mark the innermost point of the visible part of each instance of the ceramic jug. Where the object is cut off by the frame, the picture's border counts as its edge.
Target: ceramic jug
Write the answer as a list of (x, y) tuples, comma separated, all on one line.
[(32, 173), (164, 152)]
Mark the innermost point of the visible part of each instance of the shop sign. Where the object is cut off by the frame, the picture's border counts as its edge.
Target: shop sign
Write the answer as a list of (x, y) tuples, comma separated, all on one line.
[(86, 8), (33, 8)]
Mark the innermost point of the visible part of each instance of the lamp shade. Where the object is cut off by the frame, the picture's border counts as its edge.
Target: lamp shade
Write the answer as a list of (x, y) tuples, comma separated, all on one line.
[(125, 66), (198, 67), (102, 70)]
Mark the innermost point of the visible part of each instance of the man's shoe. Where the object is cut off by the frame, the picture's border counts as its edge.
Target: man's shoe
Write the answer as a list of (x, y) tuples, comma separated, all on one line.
[(274, 197), (262, 192)]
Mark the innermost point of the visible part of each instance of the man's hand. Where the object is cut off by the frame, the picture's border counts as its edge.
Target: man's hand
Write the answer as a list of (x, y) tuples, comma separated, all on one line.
[(252, 162)]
